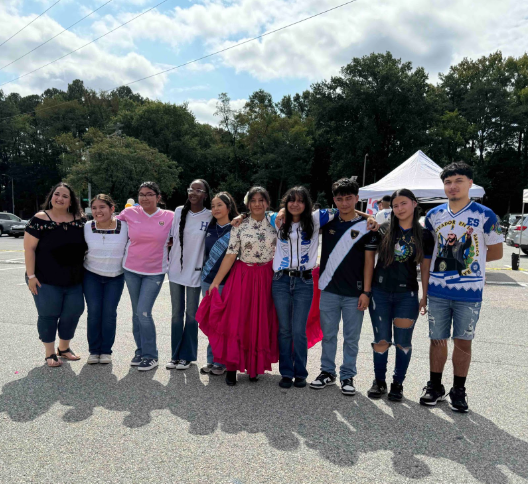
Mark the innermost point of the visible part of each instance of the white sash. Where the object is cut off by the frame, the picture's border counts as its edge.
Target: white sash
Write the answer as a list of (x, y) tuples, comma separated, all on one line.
[(340, 251)]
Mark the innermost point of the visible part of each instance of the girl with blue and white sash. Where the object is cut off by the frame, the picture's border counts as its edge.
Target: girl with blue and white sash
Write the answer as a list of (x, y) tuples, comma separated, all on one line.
[(224, 210)]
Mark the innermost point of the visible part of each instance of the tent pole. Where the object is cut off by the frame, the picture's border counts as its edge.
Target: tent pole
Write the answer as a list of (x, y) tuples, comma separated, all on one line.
[(364, 171)]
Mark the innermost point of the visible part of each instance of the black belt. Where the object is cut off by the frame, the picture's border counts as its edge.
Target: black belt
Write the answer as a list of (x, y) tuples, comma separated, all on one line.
[(295, 273)]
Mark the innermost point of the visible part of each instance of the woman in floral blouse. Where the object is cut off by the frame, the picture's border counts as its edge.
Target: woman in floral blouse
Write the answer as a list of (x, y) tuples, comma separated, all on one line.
[(54, 251), (242, 324)]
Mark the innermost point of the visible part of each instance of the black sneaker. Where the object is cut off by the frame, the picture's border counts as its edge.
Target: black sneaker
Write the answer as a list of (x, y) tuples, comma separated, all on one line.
[(136, 360), (432, 395), (147, 364), (347, 387), (458, 399), (323, 380), (377, 389), (286, 382), (299, 382), (396, 392)]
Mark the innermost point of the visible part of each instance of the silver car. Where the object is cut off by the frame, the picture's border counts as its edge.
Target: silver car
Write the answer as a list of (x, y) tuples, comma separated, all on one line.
[(518, 231), (11, 225)]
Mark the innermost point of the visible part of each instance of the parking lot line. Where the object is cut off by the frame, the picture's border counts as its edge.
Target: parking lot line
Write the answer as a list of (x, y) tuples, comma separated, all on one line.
[(11, 268)]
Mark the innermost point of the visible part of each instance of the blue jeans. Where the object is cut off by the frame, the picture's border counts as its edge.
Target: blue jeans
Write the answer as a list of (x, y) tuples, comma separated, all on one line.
[(144, 290), (334, 307), (292, 297), (384, 308), (184, 338), (102, 296), (210, 357), (463, 314), (59, 308)]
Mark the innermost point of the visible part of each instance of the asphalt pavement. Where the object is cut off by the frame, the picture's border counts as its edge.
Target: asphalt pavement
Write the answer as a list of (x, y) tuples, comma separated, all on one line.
[(102, 424)]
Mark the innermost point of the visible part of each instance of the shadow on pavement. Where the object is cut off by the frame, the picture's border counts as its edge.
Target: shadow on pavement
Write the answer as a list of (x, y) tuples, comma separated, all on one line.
[(339, 428)]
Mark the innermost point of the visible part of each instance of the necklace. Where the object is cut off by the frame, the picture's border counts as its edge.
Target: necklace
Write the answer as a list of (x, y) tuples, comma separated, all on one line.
[(224, 229), (100, 227)]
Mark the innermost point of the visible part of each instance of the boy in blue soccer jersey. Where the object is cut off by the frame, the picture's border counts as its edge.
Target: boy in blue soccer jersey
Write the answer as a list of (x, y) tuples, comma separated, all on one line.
[(466, 235), (347, 266)]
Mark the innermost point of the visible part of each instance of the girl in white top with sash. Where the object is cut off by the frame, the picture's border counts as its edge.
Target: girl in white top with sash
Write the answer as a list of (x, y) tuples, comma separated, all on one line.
[(103, 281)]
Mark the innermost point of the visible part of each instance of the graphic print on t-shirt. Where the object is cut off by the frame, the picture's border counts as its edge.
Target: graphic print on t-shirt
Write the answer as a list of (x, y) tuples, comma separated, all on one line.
[(459, 259)]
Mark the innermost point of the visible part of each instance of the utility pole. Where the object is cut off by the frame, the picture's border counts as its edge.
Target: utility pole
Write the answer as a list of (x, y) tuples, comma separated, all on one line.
[(364, 172), (12, 191)]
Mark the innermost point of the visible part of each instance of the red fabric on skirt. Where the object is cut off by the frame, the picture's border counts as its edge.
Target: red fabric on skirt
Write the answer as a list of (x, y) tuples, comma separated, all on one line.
[(242, 324), (314, 334)]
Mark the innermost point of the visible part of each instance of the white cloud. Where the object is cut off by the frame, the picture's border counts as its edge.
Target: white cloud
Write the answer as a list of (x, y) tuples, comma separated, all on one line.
[(97, 68), (204, 109)]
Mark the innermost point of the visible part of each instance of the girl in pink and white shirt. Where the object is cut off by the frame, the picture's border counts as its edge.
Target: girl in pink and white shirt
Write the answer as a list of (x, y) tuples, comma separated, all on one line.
[(145, 264)]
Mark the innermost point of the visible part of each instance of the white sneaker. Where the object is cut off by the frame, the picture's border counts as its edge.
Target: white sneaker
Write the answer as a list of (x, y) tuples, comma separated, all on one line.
[(105, 359), (93, 359), (218, 370), (172, 364), (183, 365)]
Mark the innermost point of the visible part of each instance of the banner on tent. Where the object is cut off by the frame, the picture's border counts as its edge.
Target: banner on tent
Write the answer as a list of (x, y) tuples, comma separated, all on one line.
[(372, 206)]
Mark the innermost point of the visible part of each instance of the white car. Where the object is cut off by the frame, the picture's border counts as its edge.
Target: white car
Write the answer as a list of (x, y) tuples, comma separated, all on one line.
[(517, 240)]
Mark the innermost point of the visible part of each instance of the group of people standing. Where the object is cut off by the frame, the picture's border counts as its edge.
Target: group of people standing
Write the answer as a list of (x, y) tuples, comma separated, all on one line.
[(258, 275)]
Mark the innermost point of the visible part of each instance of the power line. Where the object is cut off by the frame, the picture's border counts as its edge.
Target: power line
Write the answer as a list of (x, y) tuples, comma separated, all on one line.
[(238, 44), (55, 36), (82, 46), (16, 33)]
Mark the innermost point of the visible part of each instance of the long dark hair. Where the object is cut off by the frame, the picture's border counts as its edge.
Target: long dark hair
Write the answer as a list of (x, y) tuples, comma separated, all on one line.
[(185, 211), (307, 225), (74, 208), (230, 204), (386, 251)]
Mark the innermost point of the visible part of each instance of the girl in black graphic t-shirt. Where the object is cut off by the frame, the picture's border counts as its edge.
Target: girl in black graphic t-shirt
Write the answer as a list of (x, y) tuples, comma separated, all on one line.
[(394, 302), (54, 251)]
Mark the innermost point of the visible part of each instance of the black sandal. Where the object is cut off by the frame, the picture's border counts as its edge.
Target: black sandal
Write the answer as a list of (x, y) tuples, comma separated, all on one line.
[(62, 354), (54, 358)]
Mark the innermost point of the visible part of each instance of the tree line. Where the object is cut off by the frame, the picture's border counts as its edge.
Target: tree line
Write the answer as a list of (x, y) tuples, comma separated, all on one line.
[(378, 106)]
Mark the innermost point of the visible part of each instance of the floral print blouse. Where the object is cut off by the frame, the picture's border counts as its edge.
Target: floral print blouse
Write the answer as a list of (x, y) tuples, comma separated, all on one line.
[(254, 242)]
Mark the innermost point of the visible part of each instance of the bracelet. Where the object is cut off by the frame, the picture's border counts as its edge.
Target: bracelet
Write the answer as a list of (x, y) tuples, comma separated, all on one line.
[(32, 277)]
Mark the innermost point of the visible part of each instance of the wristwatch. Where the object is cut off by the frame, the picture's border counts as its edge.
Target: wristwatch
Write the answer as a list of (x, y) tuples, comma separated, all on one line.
[(367, 293)]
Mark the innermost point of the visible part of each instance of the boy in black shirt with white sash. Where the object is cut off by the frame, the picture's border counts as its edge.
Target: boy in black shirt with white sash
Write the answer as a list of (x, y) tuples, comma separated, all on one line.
[(347, 265)]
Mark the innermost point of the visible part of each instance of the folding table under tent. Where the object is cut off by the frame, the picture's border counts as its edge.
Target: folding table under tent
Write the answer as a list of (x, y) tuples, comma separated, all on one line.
[(419, 174)]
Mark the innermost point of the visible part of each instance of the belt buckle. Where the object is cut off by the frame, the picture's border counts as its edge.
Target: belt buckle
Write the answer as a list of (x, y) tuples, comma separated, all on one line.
[(291, 272)]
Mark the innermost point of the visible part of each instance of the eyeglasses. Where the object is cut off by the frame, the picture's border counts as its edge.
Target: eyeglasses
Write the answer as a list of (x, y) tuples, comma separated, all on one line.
[(195, 190), (145, 195)]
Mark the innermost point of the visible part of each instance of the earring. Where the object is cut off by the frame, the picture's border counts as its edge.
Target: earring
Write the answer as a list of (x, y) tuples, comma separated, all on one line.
[(68, 209)]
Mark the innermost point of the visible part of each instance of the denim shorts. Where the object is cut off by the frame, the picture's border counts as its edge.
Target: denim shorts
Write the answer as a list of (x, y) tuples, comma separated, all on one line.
[(463, 314), (386, 306)]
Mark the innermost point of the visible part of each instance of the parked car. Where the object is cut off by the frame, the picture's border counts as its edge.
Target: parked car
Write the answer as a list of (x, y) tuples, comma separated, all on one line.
[(513, 229), (517, 240), (509, 220), (11, 225)]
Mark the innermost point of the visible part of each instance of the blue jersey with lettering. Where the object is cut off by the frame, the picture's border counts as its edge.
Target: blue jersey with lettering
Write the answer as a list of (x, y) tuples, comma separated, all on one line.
[(458, 264)]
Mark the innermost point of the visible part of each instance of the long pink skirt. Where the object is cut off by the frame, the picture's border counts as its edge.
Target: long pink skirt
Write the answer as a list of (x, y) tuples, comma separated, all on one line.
[(242, 324)]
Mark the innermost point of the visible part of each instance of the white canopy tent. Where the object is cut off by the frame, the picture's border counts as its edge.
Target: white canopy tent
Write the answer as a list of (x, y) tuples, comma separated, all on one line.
[(419, 174)]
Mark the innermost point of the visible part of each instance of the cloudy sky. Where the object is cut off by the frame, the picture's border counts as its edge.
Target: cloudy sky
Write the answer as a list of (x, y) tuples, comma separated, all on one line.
[(430, 33)]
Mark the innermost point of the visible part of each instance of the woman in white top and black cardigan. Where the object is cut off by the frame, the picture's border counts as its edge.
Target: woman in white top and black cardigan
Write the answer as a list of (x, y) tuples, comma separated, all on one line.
[(103, 283)]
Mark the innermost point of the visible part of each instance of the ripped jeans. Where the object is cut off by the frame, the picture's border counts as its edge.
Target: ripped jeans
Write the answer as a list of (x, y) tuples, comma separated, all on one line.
[(384, 308), (144, 290)]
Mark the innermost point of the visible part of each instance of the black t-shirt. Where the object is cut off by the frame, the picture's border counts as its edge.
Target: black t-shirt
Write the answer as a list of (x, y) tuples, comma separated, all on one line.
[(343, 256), (60, 251), (401, 275)]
